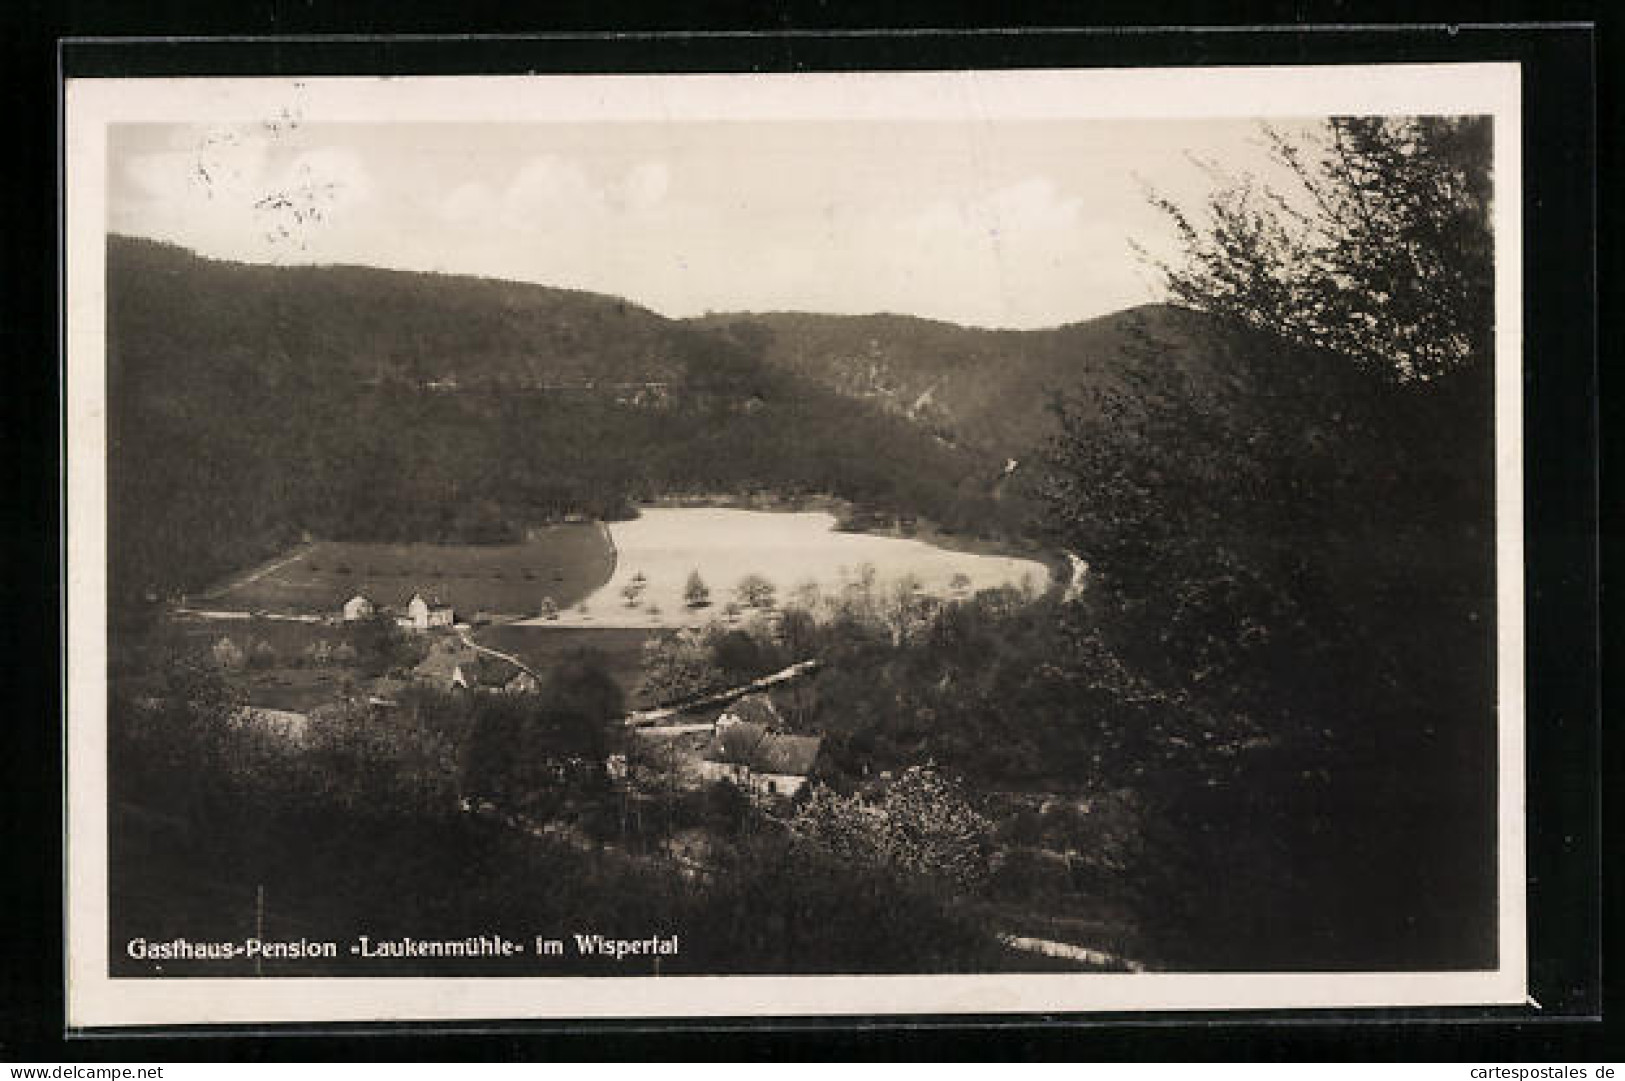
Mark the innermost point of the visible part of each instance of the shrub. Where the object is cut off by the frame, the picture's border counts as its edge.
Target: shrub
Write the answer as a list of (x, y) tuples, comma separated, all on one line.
[(227, 654)]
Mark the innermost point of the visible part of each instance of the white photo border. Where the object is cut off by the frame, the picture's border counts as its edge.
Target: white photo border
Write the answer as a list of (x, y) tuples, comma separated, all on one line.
[(91, 105)]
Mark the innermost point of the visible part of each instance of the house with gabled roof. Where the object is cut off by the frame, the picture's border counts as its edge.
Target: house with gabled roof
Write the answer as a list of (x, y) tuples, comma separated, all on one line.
[(761, 761), (424, 613), (499, 674)]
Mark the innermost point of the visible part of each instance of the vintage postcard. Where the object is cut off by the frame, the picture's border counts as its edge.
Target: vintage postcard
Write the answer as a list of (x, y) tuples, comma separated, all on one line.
[(933, 543)]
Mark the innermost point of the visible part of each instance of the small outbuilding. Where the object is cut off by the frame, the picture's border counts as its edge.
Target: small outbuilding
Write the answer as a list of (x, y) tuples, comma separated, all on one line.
[(451, 663), (359, 607)]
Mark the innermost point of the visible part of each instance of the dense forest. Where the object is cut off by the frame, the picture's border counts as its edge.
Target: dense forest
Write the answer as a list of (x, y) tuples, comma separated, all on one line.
[(253, 404)]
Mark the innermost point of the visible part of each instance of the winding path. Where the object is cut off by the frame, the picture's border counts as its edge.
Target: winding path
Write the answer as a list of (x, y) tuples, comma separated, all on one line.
[(468, 640), (259, 572)]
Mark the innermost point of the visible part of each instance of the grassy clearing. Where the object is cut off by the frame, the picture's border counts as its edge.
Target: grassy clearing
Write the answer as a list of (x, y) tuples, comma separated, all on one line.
[(543, 647), (288, 639), (297, 689), (565, 563)]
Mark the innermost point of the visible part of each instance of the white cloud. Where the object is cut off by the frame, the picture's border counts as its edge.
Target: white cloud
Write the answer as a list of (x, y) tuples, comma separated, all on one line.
[(1028, 206), (468, 202), (549, 190), (555, 194)]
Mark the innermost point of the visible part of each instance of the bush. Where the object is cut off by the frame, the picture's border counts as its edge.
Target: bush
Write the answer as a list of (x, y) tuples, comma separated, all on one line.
[(755, 591), (227, 654)]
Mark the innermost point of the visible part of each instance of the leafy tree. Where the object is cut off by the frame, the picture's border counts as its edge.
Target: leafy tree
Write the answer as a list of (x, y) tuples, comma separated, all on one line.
[(921, 825), (633, 590), (529, 753), (678, 667), (381, 646), (1381, 254), (227, 654), (755, 591), (906, 607), (696, 594), (806, 595), (1291, 548), (741, 656), (581, 686)]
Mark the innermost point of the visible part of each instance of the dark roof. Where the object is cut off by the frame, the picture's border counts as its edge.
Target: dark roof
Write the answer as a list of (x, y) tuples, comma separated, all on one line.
[(786, 754), (736, 743), (755, 709), (495, 670), (445, 657), (753, 746)]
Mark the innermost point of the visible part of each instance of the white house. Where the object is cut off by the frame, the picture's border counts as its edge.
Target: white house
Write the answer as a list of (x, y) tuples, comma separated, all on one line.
[(423, 614), (358, 607)]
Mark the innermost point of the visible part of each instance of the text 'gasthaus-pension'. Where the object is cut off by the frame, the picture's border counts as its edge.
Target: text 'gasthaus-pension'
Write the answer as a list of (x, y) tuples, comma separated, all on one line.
[(365, 946)]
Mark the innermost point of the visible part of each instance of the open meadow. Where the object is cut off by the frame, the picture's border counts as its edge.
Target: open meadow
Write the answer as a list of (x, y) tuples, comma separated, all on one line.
[(619, 648), (564, 562)]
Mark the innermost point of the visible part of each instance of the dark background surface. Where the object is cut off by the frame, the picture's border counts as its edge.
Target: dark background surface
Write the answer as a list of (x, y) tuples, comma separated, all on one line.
[(1562, 404)]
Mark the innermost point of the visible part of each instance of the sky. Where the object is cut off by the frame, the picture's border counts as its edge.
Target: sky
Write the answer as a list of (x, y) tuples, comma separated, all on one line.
[(1019, 224)]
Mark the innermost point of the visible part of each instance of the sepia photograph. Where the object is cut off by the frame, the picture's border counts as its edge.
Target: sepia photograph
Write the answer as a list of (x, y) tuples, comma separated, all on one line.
[(756, 545)]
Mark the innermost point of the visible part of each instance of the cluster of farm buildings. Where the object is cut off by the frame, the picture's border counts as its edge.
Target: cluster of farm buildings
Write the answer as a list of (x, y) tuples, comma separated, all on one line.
[(420, 613), (745, 743)]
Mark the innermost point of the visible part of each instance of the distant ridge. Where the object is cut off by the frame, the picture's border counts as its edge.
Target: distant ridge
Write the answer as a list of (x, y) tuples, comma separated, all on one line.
[(986, 388)]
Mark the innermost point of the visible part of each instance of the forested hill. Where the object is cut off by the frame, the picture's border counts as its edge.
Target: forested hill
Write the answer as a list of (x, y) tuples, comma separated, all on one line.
[(250, 404), (278, 325), (988, 389)]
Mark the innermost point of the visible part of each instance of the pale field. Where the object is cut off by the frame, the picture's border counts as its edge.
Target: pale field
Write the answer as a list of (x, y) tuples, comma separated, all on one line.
[(666, 544)]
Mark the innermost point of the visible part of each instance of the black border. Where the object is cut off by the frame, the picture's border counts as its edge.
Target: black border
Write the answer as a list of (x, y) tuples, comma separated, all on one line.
[(1561, 518)]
